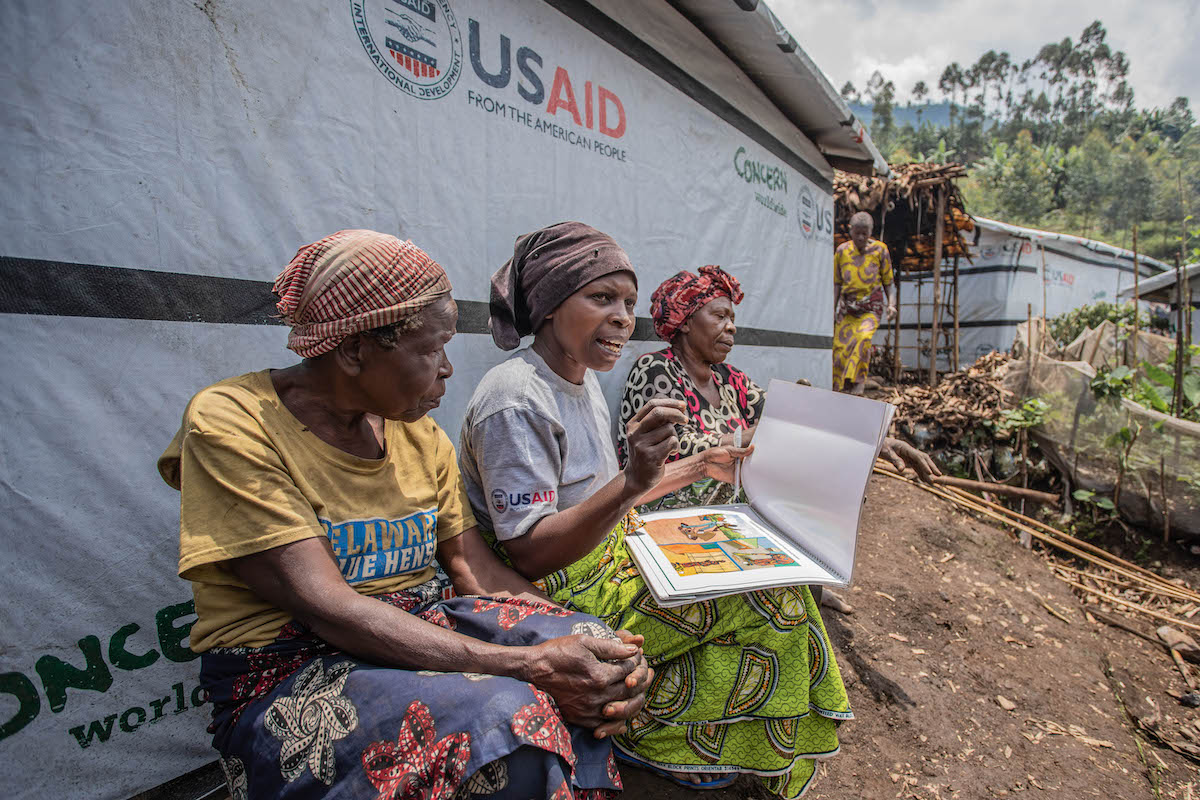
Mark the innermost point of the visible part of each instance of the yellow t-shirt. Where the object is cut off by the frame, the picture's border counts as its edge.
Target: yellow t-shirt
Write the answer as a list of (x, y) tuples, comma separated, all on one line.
[(252, 477), (859, 274)]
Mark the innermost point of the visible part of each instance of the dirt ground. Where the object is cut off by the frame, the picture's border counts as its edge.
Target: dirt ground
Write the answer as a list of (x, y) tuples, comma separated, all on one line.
[(948, 619)]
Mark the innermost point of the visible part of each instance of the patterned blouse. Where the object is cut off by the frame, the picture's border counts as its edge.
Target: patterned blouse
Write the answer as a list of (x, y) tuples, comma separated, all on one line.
[(859, 274), (661, 374)]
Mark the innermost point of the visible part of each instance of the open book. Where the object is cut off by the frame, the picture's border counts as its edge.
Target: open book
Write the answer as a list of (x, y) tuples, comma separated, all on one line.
[(805, 482)]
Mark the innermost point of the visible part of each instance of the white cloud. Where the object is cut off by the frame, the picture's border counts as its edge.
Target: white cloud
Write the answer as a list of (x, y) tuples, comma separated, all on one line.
[(912, 40)]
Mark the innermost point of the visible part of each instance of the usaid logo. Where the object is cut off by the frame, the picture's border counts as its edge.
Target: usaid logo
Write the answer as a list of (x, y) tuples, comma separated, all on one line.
[(815, 217), (502, 500), (416, 44)]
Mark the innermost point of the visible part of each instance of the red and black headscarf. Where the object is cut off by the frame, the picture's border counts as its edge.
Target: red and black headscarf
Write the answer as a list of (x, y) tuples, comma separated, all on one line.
[(682, 294)]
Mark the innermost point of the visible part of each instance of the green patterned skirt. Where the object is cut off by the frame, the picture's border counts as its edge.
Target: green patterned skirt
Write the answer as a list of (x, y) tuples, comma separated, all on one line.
[(744, 683)]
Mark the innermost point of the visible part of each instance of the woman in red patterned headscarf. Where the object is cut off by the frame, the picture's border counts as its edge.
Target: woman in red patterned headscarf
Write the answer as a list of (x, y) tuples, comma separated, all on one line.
[(695, 315)]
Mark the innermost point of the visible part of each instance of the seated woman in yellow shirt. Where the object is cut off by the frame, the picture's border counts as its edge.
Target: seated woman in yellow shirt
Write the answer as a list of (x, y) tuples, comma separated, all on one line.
[(314, 500)]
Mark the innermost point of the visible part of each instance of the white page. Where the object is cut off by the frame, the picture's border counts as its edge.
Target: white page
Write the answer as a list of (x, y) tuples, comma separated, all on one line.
[(813, 454)]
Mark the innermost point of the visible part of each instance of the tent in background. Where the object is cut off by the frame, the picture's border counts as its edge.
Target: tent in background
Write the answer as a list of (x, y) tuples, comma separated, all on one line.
[(1004, 279)]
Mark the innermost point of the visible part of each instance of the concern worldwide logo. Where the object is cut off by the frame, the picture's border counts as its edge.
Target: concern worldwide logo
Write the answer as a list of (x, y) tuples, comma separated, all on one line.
[(416, 44)]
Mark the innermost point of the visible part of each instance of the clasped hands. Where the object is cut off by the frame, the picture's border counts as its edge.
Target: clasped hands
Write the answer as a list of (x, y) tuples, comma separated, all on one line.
[(596, 683)]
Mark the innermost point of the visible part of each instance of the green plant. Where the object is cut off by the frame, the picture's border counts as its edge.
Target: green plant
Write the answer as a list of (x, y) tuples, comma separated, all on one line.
[(1029, 414), (1066, 327), (1122, 441), (1112, 384), (1089, 497)]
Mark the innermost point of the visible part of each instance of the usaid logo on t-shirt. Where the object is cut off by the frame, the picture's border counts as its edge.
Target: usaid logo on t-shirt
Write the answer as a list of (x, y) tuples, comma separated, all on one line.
[(502, 500)]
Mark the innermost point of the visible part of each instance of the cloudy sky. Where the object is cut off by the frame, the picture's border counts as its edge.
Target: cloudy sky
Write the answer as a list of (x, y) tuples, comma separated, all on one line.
[(912, 40)]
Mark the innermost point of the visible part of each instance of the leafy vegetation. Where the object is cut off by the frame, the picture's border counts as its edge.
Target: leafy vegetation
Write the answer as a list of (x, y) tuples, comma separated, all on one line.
[(1066, 327), (1055, 141), (1153, 385)]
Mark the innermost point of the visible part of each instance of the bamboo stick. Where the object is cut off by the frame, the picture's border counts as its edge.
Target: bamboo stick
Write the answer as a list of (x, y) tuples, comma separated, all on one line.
[(1176, 593), (1177, 394), (1135, 606), (1057, 539), (999, 488), (1136, 270), (1087, 546)]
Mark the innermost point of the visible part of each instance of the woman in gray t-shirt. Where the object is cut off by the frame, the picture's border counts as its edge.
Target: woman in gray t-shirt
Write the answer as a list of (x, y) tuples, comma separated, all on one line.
[(538, 461)]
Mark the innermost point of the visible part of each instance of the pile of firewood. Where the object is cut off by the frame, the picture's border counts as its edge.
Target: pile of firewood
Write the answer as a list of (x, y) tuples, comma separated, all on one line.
[(903, 207), (962, 401)]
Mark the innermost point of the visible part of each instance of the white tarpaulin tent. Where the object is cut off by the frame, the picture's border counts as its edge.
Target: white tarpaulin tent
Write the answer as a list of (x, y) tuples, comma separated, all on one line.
[(165, 160), (1162, 289), (1004, 279)]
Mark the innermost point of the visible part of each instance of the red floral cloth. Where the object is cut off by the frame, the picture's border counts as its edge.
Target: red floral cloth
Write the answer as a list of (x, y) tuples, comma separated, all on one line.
[(683, 293)]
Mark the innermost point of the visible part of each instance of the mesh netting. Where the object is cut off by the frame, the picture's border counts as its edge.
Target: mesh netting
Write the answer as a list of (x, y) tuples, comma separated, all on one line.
[(1081, 436)]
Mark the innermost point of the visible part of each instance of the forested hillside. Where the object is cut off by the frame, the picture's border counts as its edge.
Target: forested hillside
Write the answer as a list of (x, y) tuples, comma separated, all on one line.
[(1056, 141)]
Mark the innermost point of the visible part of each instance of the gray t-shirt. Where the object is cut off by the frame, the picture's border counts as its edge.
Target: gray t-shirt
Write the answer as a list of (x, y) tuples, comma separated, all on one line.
[(532, 444)]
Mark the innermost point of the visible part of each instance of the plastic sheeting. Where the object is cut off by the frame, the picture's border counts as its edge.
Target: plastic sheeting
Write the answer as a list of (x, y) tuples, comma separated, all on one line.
[(164, 160), (1004, 280)]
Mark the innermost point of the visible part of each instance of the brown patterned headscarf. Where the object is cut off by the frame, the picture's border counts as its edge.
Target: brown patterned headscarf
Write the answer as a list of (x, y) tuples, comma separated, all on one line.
[(547, 267), (682, 294), (353, 281)]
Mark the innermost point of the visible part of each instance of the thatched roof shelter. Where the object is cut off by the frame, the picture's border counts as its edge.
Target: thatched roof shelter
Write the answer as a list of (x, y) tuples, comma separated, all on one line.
[(904, 207)]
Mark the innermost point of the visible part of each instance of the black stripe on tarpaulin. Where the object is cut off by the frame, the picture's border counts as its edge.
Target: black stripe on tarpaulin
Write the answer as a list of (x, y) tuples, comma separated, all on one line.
[(1107, 264), (975, 323), (924, 275), (64, 289), (612, 32)]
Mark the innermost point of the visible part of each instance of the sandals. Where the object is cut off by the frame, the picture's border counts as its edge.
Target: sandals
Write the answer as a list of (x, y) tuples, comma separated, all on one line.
[(722, 782)]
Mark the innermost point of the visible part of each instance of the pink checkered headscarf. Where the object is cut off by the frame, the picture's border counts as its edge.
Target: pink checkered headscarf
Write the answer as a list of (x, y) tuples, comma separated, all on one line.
[(353, 281)]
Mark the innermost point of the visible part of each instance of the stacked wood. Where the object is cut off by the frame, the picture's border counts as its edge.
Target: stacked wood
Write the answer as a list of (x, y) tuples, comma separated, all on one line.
[(962, 401), (903, 208)]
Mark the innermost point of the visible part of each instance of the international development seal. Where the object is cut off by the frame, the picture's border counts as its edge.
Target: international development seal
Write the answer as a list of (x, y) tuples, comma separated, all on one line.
[(806, 212), (416, 44)]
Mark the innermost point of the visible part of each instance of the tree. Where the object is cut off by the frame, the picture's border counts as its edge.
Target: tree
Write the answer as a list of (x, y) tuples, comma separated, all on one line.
[(919, 92), (1024, 193), (883, 101), (850, 94), (1133, 186), (951, 79), (1087, 177)]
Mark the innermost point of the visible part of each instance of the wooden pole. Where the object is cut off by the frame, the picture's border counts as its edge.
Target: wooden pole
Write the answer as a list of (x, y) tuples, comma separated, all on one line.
[(920, 287), (1043, 249), (956, 312), (1029, 336), (1022, 492), (896, 329), (1177, 394), (937, 282), (1136, 271)]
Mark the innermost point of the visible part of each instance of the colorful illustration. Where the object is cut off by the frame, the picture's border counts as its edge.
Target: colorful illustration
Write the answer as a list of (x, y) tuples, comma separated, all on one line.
[(713, 543), (704, 528)]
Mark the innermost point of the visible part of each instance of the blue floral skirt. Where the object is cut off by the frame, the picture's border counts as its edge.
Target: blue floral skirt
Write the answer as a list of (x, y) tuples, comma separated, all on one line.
[(299, 718)]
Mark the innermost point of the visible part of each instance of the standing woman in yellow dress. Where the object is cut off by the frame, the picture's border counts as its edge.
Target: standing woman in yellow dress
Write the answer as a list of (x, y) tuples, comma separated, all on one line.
[(862, 276)]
